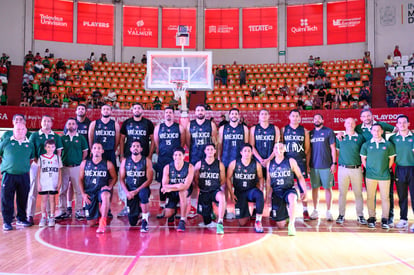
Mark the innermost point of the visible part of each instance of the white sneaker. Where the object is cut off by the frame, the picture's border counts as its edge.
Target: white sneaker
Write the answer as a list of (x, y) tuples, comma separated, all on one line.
[(212, 225), (314, 215), (402, 224), (329, 217), (42, 222), (230, 215), (51, 222)]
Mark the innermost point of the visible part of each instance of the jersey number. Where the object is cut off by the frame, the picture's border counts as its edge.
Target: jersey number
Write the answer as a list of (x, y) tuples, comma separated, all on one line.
[(280, 181), (168, 142), (94, 181)]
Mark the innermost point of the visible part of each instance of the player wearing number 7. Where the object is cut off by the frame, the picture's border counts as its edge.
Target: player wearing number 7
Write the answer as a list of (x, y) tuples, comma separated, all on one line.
[(135, 178), (280, 188)]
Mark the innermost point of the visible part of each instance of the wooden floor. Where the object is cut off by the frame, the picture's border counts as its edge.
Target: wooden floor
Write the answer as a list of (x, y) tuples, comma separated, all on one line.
[(320, 247)]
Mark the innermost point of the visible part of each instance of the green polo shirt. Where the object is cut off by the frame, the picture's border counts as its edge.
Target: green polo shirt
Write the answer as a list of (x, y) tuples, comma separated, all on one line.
[(349, 148), (378, 155), (16, 156), (73, 149), (404, 148), (366, 131), (39, 138), (9, 134)]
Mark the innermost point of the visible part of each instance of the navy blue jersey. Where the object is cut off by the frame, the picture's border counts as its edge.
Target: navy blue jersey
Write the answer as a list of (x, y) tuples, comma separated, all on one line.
[(83, 127), (264, 140), (96, 176), (105, 134), (200, 136), (135, 173), (169, 139), (245, 177), (233, 140), (209, 179), (281, 175), (320, 140), (178, 176), (294, 140), (137, 130)]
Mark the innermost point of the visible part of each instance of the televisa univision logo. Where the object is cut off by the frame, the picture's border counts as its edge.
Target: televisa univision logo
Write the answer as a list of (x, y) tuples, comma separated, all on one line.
[(52, 20)]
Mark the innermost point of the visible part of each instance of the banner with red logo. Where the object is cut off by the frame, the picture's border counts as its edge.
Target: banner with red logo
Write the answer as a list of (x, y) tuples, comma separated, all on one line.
[(221, 28), (140, 27), (171, 19), (346, 21), (53, 20), (260, 27), (95, 24), (304, 25)]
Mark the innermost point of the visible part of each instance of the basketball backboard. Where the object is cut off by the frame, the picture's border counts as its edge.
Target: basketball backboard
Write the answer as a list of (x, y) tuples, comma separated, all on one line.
[(194, 68)]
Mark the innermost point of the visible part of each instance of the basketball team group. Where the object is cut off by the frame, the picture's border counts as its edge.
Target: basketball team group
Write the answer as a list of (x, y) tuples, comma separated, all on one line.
[(230, 165)]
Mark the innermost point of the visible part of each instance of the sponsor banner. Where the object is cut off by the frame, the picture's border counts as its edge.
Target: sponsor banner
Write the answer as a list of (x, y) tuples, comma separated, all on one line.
[(53, 20), (260, 27), (304, 25), (333, 119), (171, 19), (140, 27), (346, 21), (221, 28), (95, 24)]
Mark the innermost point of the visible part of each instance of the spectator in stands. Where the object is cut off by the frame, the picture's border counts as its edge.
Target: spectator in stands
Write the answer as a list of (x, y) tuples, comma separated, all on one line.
[(55, 101), (388, 78), (313, 72), (4, 58), (88, 66), (38, 67), (326, 82), (284, 90), (253, 91), (300, 90), (397, 51), (322, 95), (338, 95), (319, 83), (103, 58), (388, 62), (3, 98), (263, 91), (60, 65), (62, 75), (48, 101), (308, 90), (364, 95), (316, 102), (311, 61), (399, 80), (223, 75), (27, 78), (223, 121), (132, 61), (411, 60), (356, 75), (65, 101), (46, 63), (308, 104), (348, 75), (3, 70), (217, 77), (321, 71), (92, 57), (329, 99), (367, 58), (38, 57), (28, 57), (47, 53), (346, 95), (24, 102), (144, 59), (111, 96), (96, 96), (156, 104), (242, 76), (30, 98)]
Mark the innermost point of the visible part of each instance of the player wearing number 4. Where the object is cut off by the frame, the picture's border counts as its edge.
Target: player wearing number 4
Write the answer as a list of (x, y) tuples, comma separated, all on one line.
[(280, 188), (135, 178)]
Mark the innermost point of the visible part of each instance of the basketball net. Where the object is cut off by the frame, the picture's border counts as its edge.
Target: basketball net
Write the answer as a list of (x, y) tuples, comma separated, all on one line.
[(179, 88)]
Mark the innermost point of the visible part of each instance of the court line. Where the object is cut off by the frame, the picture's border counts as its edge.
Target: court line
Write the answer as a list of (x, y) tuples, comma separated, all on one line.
[(139, 254)]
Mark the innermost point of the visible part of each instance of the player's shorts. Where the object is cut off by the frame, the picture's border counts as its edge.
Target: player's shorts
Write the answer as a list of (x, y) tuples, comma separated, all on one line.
[(321, 177), (133, 204), (92, 209), (280, 201), (110, 155), (173, 198), (241, 208), (205, 202), (52, 192), (159, 169)]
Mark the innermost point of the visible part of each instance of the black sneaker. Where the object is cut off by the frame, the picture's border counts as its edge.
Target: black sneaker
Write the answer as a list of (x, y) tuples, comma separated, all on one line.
[(62, 216), (371, 222), (390, 222), (181, 226), (253, 216), (171, 220), (384, 223), (7, 227), (79, 215), (23, 223), (144, 226), (69, 210), (362, 220), (30, 220), (340, 219)]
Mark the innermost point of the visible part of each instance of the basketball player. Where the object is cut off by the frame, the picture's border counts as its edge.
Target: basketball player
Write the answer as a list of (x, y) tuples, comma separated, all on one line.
[(231, 138), (248, 185), (297, 146), (210, 177), (200, 132), (97, 178), (135, 128), (280, 188), (167, 136), (135, 178), (176, 184)]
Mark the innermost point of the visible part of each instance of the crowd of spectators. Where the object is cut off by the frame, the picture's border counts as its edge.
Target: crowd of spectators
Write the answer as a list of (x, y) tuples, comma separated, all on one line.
[(4, 77)]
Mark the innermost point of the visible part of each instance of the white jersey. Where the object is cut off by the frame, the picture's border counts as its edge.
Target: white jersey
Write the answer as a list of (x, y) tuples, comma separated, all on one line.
[(49, 172)]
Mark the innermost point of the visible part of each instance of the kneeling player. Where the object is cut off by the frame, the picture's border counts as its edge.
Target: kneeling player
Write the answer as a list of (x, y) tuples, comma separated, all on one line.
[(248, 186), (97, 177), (135, 178), (210, 176), (176, 183), (280, 180)]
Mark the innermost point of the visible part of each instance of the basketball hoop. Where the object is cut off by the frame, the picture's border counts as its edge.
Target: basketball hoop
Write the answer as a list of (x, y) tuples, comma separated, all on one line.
[(179, 87)]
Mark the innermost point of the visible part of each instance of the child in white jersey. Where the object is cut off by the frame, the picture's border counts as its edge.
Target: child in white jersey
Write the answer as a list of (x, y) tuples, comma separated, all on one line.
[(49, 180)]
